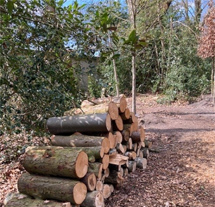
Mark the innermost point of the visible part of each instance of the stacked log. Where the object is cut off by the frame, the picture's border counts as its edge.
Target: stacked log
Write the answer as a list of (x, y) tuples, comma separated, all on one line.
[(91, 153)]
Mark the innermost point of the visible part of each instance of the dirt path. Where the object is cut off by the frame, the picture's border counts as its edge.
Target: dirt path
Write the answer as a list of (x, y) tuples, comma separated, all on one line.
[(183, 173)]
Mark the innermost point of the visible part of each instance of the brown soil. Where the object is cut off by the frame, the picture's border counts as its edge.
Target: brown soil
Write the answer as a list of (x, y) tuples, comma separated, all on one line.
[(181, 174)]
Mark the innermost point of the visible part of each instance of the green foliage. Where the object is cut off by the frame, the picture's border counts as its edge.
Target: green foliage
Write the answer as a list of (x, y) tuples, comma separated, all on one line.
[(94, 86), (38, 78)]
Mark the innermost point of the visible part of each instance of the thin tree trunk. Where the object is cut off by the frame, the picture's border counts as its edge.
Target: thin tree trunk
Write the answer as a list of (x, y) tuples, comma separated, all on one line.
[(198, 10), (213, 69), (133, 84), (132, 8), (116, 78)]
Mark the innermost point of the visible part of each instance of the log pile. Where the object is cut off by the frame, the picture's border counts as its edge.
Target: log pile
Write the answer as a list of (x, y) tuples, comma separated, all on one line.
[(91, 153)]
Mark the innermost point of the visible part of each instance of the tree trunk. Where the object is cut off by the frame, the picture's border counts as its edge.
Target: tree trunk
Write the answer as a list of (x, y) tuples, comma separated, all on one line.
[(43, 187), (93, 199), (80, 123), (22, 200), (90, 181), (213, 68), (56, 161), (198, 10), (133, 107), (116, 78)]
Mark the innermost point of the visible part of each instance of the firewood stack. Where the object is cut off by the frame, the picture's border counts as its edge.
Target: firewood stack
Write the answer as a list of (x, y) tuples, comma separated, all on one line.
[(91, 153)]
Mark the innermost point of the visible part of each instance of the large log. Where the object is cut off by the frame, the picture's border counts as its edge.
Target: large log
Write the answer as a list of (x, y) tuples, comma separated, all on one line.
[(79, 123), (78, 141), (44, 187), (93, 199), (56, 161), (90, 181), (22, 200)]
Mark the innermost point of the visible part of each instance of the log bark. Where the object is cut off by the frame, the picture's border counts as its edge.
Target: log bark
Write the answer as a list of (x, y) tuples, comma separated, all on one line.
[(44, 187), (56, 161), (126, 114), (22, 200), (114, 178), (96, 168), (126, 134), (136, 137), (77, 140), (93, 199), (141, 163), (79, 123), (93, 153), (145, 152), (132, 165), (120, 102), (90, 181)]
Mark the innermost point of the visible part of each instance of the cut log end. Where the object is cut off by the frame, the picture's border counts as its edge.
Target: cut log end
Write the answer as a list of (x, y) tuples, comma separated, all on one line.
[(105, 162), (81, 166), (113, 110), (90, 181), (108, 123), (79, 192), (106, 145)]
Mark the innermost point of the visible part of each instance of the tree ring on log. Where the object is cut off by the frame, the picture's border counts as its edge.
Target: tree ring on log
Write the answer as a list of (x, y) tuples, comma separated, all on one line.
[(81, 165), (79, 197)]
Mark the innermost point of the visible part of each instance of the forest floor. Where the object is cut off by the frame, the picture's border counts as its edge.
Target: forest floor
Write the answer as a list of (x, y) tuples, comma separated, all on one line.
[(181, 174)]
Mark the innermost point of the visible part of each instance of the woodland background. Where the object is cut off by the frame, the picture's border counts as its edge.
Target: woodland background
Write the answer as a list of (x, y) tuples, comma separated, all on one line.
[(54, 54)]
